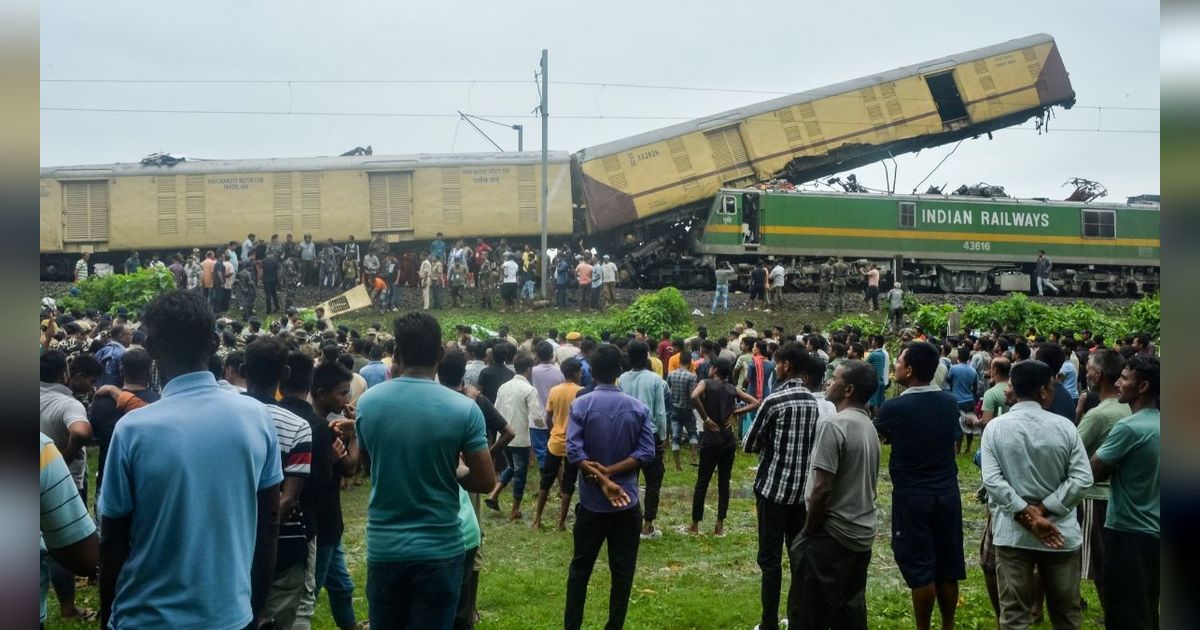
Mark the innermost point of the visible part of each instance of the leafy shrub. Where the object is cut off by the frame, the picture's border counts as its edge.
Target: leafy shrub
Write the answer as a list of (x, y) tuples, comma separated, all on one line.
[(933, 318), (664, 309), (868, 324), (1017, 313), (1145, 316), (109, 293)]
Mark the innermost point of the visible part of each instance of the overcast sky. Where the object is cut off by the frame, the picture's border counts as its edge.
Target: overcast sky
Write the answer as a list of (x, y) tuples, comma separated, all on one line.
[(1110, 49)]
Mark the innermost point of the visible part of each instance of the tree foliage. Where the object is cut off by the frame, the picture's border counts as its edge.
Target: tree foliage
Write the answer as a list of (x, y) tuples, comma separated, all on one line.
[(129, 291)]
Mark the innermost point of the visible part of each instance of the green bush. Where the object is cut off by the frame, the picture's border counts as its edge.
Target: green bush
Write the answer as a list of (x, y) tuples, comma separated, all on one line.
[(933, 318), (109, 293), (1017, 313), (868, 324), (663, 310), (1145, 316)]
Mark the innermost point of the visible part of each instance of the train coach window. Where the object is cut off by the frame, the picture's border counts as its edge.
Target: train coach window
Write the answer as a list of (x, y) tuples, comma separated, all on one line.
[(908, 214), (728, 205), (1099, 224)]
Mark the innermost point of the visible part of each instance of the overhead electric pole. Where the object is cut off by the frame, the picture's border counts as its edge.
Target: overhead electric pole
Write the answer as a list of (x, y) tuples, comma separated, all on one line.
[(545, 175)]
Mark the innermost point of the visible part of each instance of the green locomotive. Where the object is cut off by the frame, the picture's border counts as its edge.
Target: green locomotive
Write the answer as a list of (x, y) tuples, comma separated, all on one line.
[(954, 244)]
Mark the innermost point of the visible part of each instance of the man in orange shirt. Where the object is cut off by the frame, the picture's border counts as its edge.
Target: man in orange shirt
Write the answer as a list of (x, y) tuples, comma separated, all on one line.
[(206, 273), (583, 273), (558, 412)]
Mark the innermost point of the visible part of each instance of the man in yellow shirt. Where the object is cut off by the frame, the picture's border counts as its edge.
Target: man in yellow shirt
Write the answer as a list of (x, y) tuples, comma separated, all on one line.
[(558, 412)]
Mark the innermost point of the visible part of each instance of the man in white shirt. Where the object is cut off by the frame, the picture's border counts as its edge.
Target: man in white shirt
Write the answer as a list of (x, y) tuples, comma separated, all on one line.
[(247, 246), (609, 270), (517, 400), (812, 377), (508, 282), (569, 349), (775, 281), (1035, 471)]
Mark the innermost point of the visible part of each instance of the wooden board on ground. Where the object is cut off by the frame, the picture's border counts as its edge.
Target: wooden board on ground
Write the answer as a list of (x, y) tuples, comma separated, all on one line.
[(348, 302)]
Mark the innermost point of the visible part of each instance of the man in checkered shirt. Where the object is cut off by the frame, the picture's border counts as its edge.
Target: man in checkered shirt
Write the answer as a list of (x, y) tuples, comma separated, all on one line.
[(782, 434)]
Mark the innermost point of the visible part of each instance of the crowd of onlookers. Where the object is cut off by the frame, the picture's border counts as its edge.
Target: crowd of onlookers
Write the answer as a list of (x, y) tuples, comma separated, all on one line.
[(445, 275), (223, 445)]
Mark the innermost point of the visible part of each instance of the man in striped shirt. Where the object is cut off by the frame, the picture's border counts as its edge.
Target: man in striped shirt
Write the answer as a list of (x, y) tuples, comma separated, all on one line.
[(67, 532), (81, 268), (1035, 470), (265, 366), (782, 433)]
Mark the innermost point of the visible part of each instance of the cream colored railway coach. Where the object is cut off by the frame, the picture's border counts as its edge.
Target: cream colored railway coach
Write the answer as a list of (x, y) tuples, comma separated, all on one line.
[(116, 208)]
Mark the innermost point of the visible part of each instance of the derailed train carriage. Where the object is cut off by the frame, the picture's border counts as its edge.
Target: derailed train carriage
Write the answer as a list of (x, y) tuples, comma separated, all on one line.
[(940, 242), (641, 193)]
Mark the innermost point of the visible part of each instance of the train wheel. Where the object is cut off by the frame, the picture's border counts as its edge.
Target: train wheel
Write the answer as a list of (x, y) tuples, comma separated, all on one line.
[(1118, 289)]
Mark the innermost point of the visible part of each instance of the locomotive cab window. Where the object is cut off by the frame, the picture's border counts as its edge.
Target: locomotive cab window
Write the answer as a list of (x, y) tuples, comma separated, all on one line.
[(908, 214), (728, 205), (1099, 224)]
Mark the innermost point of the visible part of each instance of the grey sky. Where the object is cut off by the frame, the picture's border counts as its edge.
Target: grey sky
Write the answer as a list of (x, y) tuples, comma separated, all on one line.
[(1111, 50)]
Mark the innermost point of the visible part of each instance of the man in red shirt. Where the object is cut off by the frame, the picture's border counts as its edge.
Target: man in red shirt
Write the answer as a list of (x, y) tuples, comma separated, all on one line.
[(664, 351)]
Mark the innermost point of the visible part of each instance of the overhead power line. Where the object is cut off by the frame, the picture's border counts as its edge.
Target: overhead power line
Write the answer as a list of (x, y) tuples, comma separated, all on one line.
[(595, 84), (456, 115)]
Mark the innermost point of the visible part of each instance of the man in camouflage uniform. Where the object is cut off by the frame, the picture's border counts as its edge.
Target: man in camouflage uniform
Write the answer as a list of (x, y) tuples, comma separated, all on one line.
[(841, 272), (245, 285), (289, 275), (826, 284)]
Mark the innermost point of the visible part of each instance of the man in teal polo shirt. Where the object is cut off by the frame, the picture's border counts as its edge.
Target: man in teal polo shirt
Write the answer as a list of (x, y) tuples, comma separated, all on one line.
[(415, 432), (1129, 457)]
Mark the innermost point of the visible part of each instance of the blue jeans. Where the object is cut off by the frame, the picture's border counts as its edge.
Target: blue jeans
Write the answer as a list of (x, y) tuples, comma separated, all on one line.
[(538, 438), (518, 465), (721, 295), (560, 295), (527, 290), (420, 594), (332, 574)]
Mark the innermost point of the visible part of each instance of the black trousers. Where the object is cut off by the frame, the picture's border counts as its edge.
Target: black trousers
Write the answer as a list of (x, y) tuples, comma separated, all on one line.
[(271, 291), (830, 591), (653, 473), (464, 617), (1131, 580), (721, 461), (622, 532), (778, 527)]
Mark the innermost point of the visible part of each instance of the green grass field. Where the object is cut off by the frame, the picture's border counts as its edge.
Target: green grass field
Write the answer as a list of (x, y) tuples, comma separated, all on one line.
[(682, 581)]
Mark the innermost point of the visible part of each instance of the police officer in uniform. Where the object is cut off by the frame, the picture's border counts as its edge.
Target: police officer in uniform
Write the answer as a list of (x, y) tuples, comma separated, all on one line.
[(290, 276), (245, 283), (841, 272), (826, 284)]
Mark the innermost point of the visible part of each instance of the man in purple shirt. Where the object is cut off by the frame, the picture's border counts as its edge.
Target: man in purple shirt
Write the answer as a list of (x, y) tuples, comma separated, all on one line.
[(609, 436)]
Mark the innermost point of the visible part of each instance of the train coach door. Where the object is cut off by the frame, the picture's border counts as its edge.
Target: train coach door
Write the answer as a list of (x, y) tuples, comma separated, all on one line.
[(751, 221)]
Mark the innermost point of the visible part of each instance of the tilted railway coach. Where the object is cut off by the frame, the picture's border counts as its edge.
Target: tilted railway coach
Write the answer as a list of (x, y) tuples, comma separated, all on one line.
[(115, 208), (943, 242), (654, 177)]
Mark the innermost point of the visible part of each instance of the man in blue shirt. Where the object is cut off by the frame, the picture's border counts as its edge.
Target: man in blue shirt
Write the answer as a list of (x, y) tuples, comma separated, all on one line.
[(438, 248), (1053, 355), (415, 432), (609, 436), (374, 372), (927, 537), (647, 386), (201, 466), (109, 356), (961, 380)]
